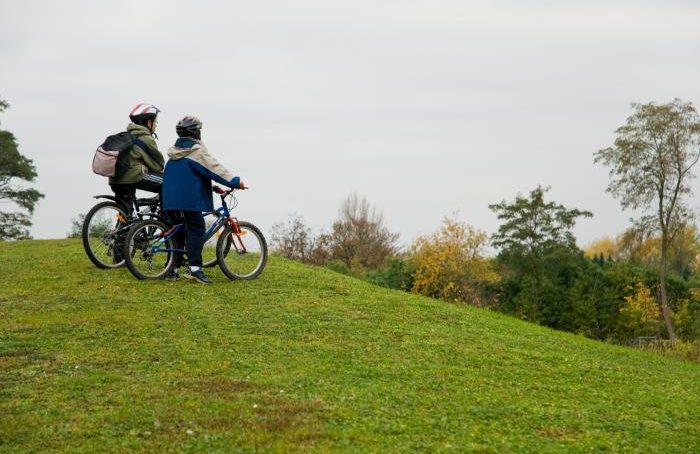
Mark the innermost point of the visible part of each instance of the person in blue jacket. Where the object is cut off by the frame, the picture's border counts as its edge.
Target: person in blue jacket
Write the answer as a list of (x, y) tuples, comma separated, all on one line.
[(187, 189)]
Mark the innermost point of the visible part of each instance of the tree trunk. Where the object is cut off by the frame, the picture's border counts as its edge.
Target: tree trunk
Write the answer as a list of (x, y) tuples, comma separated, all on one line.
[(665, 311)]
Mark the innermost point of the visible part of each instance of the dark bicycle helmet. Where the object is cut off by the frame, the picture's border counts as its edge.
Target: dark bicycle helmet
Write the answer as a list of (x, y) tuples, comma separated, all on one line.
[(189, 126), (143, 112)]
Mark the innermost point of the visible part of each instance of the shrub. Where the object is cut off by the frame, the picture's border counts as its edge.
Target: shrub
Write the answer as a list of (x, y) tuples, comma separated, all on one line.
[(449, 264)]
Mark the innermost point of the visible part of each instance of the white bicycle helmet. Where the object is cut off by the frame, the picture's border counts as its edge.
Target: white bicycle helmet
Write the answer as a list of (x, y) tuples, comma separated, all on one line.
[(143, 112)]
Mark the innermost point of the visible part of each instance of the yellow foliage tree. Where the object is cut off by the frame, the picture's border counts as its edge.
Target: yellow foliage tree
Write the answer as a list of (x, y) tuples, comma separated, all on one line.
[(449, 264), (605, 246), (640, 313), (638, 246), (684, 319), (683, 250)]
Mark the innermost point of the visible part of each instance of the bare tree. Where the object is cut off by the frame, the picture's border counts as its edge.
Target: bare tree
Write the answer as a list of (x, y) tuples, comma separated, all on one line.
[(650, 169), (359, 236), (293, 239)]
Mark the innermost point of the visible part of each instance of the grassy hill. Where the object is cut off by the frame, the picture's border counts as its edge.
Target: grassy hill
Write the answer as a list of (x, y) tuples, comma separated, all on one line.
[(307, 360)]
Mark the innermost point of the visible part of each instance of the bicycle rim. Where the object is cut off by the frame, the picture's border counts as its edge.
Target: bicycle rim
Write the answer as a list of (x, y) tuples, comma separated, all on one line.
[(242, 256), (104, 230), (145, 251)]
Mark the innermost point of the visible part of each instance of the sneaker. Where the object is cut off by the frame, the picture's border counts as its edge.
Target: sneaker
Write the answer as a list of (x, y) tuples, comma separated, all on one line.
[(197, 276), (173, 275)]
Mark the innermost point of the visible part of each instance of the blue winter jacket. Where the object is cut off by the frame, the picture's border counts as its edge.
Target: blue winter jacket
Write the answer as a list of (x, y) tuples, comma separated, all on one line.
[(188, 174)]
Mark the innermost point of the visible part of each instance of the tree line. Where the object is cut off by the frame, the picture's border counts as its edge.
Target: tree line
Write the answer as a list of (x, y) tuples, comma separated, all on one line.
[(642, 287), (644, 284)]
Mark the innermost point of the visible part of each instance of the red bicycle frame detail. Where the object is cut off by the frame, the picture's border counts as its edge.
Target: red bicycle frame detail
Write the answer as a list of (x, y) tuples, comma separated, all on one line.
[(236, 230), (167, 232)]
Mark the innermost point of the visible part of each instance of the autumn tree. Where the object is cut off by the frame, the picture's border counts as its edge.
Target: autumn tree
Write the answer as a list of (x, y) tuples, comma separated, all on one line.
[(639, 315), (684, 251), (606, 247), (651, 166), (638, 246), (450, 264), (14, 166)]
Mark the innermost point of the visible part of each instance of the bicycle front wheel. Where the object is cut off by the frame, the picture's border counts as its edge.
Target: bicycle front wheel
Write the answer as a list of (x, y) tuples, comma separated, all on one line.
[(244, 255), (104, 230), (148, 254)]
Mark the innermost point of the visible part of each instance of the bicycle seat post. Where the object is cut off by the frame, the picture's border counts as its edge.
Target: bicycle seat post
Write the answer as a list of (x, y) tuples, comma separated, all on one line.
[(129, 201)]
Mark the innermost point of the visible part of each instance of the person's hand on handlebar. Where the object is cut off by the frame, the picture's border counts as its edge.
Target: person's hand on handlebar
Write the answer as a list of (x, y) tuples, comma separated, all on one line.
[(220, 190)]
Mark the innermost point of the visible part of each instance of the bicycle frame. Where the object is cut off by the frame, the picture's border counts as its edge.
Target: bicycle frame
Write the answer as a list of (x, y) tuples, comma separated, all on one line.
[(223, 217), (132, 206)]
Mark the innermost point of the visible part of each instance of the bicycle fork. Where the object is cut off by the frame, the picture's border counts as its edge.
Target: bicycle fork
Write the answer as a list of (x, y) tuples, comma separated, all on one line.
[(236, 230)]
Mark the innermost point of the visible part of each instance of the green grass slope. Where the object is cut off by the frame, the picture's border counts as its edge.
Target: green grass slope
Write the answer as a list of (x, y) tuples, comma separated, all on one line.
[(306, 360)]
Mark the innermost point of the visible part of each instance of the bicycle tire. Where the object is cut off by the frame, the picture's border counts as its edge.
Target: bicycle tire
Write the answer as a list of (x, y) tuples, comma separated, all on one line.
[(100, 241), (138, 256), (236, 264)]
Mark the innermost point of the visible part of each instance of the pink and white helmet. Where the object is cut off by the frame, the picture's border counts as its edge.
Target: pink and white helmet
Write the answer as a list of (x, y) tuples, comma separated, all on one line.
[(142, 112)]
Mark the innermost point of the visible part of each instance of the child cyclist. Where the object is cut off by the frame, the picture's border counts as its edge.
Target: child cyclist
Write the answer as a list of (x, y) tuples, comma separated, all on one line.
[(187, 190), (145, 160)]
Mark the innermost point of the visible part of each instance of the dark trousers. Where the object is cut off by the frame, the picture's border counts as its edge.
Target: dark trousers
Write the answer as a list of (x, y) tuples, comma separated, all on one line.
[(192, 236), (151, 182)]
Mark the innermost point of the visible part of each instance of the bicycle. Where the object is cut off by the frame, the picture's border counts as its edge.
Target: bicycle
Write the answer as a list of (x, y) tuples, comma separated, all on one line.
[(106, 225), (241, 250)]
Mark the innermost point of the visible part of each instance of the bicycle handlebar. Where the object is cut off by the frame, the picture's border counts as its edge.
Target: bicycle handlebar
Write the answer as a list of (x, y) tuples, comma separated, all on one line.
[(224, 192)]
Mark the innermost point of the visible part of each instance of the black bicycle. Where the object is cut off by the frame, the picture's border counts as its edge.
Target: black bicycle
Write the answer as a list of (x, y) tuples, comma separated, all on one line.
[(106, 224), (241, 250)]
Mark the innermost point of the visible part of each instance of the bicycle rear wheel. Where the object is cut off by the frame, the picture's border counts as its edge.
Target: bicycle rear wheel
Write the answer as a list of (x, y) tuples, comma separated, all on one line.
[(147, 254), (242, 256), (104, 230)]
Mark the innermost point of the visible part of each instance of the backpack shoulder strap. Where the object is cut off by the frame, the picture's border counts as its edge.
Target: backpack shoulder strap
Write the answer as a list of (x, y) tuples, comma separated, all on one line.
[(148, 150), (140, 143)]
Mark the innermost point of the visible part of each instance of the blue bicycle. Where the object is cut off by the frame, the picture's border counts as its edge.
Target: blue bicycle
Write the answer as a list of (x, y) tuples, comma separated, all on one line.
[(150, 251)]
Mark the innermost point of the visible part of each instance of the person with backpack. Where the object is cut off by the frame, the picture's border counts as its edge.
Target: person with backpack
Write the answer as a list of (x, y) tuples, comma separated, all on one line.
[(144, 163), (187, 191)]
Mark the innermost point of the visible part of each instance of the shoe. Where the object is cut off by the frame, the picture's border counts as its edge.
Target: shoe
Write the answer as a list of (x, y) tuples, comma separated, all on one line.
[(173, 275), (197, 276)]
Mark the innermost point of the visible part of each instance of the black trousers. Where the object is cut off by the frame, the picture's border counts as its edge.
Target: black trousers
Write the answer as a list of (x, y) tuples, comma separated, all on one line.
[(151, 182), (192, 236)]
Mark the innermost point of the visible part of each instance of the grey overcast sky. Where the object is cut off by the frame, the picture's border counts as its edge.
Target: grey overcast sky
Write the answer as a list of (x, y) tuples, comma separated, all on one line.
[(423, 107)]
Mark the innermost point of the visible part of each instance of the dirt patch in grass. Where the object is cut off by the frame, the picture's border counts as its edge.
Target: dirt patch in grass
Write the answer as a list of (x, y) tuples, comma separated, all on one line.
[(263, 410), (558, 433), (222, 385), (10, 362)]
